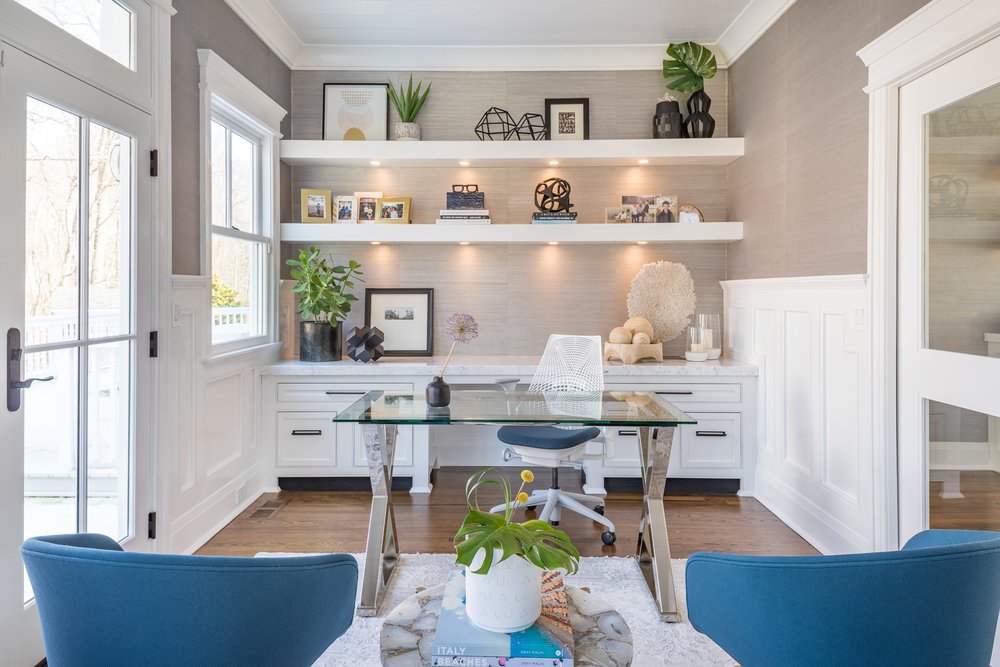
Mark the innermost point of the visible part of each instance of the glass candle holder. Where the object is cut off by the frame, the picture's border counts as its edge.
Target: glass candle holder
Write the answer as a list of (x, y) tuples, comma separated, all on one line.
[(696, 348), (711, 334)]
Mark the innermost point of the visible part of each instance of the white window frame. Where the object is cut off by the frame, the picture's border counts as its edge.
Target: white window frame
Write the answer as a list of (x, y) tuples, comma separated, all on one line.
[(227, 94)]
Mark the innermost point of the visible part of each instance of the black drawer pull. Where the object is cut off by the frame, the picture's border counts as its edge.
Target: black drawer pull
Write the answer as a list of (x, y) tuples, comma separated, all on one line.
[(711, 434), (677, 392), (345, 393), (628, 432), (307, 431)]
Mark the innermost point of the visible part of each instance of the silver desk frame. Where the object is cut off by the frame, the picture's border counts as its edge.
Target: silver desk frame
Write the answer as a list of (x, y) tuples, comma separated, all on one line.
[(652, 551)]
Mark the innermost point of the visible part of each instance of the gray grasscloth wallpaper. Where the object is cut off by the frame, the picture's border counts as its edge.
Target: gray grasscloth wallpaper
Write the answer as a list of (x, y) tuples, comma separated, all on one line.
[(796, 95), (211, 24), (521, 294)]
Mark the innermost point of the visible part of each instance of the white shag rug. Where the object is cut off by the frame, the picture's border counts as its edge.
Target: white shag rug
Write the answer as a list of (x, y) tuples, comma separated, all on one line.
[(655, 643)]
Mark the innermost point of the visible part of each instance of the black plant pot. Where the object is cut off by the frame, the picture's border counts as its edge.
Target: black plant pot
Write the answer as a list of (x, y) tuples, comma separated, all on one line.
[(667, 122), (438, 393), (699, 123), (319, 341)]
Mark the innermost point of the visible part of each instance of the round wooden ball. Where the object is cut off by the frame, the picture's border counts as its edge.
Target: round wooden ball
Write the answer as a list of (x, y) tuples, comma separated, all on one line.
[(640, 338), (620, 335), (639, 324)]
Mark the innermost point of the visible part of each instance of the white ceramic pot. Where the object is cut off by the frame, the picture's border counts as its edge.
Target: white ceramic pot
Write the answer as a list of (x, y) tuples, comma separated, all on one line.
[(406, 132), (508, 598)]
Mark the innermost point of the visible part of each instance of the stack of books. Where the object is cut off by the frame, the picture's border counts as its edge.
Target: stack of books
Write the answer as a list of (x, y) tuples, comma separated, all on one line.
[(555, 218), (464, 216), (459, 642)]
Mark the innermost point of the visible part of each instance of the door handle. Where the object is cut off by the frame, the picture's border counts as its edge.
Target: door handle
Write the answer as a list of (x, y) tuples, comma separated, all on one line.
[(26, 384), (14, 382)]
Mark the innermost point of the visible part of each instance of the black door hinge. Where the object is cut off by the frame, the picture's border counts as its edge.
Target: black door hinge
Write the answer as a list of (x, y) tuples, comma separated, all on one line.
[(154, 162), (151, 526), (154, 343)]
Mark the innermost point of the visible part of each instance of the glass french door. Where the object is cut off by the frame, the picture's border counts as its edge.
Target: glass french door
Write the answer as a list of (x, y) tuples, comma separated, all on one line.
[(949, 296), (74, 256)]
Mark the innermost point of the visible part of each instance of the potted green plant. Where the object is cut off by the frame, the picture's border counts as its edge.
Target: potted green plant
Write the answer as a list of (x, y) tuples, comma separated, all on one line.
[(324, 303), (408, 104), (689, 65), (504, 559)]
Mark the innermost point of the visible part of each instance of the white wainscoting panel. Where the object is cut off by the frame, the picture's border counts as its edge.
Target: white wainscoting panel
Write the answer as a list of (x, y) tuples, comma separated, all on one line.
[(209, 460), (811, 341)]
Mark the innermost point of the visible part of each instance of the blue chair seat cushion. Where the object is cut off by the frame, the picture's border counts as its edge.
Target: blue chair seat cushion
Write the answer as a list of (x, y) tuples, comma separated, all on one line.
[(546, 437)]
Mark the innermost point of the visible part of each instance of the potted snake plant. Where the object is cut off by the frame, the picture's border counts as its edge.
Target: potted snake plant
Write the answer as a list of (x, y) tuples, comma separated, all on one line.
[(408, 103), (324, 303)]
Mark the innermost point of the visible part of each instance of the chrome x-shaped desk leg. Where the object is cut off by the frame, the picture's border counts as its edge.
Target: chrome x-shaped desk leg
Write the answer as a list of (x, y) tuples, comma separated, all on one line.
[(653, 551), (381, 553)]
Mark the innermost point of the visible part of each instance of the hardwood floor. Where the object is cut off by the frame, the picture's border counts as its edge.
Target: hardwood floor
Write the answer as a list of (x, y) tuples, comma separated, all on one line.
[(311, 521), (977, 508)]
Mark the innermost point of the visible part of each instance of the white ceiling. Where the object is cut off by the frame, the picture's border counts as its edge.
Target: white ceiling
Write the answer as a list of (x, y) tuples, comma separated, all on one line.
[(501, 34)]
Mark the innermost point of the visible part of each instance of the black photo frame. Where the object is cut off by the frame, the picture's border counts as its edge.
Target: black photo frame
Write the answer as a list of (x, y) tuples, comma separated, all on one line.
[(381, 105), (390, 309), (552, 129)]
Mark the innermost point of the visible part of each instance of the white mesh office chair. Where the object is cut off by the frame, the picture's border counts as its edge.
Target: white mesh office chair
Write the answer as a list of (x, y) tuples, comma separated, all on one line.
[(569, 380)]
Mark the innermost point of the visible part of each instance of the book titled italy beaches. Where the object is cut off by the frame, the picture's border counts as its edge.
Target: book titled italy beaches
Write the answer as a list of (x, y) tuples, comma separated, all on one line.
[(547, 643)]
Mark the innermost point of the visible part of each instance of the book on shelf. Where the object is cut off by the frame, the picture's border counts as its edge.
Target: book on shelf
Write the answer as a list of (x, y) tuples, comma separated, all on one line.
[(553, 217), (553, 221), (459, 642), (464, 212), (462, 221)]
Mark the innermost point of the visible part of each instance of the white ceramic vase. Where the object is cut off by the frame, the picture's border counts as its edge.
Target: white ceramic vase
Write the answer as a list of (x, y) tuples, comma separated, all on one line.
[(406, 132), (508, 598)]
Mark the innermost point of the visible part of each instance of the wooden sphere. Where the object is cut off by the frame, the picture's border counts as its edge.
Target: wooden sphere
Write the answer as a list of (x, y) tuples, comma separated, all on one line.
[(620, 335), (640, 338), (639, 324)]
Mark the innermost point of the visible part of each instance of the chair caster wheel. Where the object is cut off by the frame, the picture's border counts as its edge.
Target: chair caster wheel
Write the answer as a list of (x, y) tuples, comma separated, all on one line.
[(553, 523), (599, 509), (608, 538), (530, 508)]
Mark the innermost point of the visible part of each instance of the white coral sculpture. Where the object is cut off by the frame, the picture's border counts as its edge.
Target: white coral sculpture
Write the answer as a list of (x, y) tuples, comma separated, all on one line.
[(663, 293)]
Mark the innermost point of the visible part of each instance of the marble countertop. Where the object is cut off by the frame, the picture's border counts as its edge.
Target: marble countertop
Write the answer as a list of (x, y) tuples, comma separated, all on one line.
[(504, 366)]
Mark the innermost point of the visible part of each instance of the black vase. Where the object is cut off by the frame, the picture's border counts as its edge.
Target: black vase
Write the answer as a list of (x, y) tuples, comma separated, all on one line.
[(699, 123), (319, 341), (438, 393), (667, 122)]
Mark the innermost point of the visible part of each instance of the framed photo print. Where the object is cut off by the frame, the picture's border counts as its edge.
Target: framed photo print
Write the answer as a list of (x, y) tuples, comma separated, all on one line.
[(406, 318), (346, 212), (366, 206), (393, 210), (316, 206), (666, 208), (355, 111), (616, 215), (689, 214), (567, 119), (641, 208)]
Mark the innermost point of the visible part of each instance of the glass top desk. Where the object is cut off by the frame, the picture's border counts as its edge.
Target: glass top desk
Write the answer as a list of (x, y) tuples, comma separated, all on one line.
[(380, 414)]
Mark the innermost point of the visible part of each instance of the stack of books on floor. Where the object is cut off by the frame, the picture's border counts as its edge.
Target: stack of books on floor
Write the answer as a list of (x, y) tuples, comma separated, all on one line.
[(464, 216), (459, 642), (557, 218)]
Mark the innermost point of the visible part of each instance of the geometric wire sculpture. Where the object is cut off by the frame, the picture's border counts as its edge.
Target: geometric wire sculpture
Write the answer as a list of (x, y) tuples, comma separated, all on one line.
[(552, 195), (365, 344), (496, 125), (531, 126)]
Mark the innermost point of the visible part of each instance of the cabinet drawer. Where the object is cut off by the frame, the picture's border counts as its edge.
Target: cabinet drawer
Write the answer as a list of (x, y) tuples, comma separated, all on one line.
[(306, 440), (700, 393), (341, 394), (714, 442)]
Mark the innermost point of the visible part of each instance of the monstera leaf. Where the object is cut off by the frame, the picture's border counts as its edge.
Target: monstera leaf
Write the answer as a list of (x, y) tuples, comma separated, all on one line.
[(692, 63), (535, 541)]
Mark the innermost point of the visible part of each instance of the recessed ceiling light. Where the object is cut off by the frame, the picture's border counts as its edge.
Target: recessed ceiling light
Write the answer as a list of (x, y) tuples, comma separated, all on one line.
[(464, 163), (376, 243), (553, 242), (463, 243), (375, 163), (553, 163), (642, 242), (643, 161)]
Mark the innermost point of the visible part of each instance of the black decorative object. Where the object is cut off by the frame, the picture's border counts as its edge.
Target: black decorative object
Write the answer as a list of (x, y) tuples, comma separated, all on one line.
[(466, 197), (668, 122), (495, 125), (319, 341), (365, 344), (699, 123), (438, 392), (531, 126), (552, 195)]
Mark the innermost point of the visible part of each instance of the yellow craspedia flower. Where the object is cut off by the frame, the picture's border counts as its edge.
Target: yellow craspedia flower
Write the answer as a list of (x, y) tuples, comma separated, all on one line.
[(527, 476), (522, 497)]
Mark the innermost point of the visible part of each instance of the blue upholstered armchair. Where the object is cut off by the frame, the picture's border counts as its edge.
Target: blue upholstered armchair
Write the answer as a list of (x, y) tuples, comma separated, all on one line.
[(100, 605), (935, 602)]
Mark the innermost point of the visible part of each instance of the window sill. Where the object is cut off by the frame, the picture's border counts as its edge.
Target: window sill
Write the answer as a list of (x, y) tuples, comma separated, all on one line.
[(244, 352)]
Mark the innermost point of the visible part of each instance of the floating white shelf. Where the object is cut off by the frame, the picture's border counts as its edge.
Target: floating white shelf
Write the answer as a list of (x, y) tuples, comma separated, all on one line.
[(706, 232), (591, 153)]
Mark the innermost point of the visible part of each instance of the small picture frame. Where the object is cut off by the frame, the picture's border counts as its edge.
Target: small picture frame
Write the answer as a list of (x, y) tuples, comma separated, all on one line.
[(665, 209), (689, 214), (641, 208), (366, 206), (567, 119), (316, 206), (393, 210), (616, 215), (346, 210), (355, 111), (406, 318)]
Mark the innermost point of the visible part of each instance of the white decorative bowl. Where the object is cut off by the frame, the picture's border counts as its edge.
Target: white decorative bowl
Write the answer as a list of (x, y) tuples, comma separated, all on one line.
[(696, 356)]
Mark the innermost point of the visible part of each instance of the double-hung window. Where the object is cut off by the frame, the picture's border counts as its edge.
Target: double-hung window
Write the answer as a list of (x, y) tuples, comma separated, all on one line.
[(239, 144)]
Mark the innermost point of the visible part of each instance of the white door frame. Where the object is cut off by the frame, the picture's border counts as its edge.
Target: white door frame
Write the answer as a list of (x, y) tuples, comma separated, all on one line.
[(937, 33)]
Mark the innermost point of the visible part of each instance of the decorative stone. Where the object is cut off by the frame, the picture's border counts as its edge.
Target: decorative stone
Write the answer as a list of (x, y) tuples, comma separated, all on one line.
[(639, 325), (620, 335), (641, 338), (364, 344)]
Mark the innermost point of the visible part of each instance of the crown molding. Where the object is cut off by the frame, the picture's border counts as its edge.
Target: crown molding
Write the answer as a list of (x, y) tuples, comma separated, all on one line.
[(271, 27), (750, 26)]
